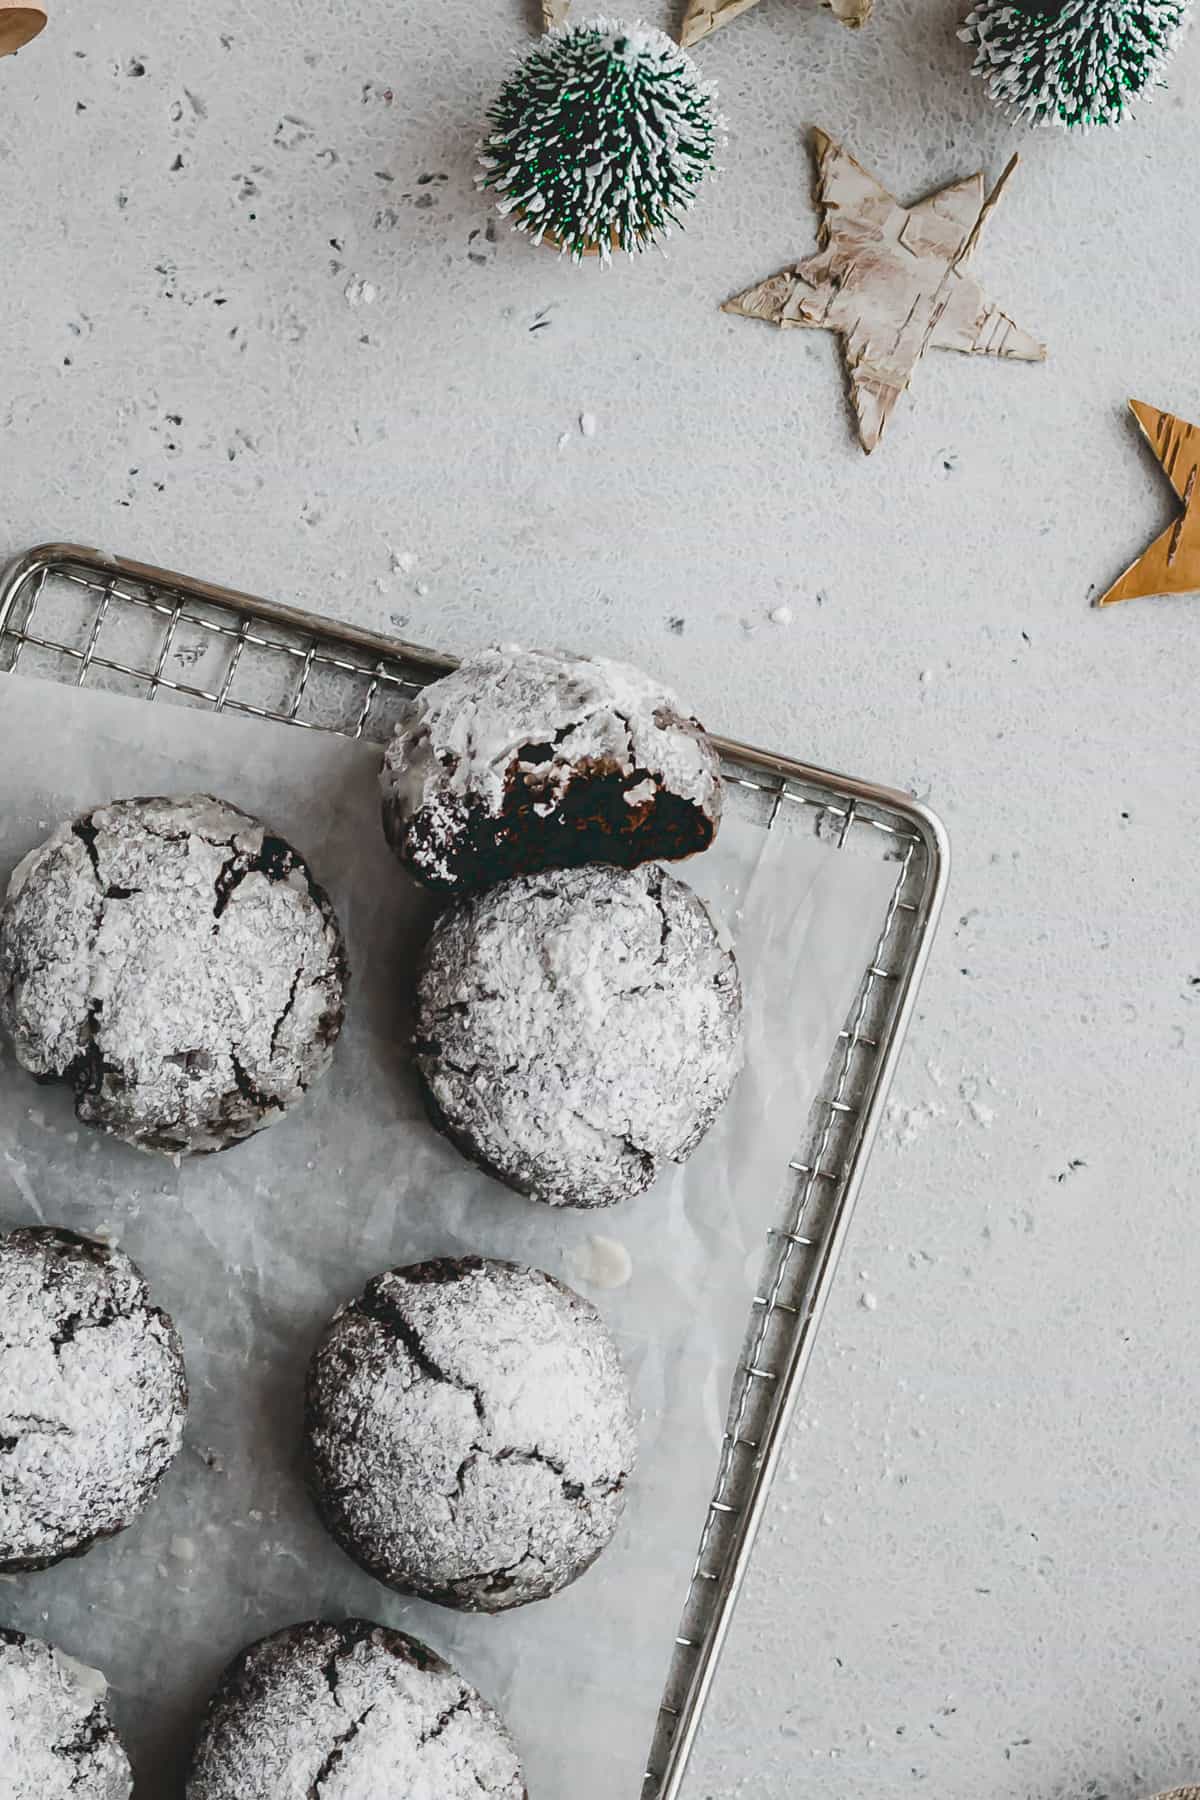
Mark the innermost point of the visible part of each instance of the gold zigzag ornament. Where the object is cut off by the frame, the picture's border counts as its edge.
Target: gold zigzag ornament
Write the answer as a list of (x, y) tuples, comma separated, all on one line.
[(20, 20), (1172, 563), (892, 281)]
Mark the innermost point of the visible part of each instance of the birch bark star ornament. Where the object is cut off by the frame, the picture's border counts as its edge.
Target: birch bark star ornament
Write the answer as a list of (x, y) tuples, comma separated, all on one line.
[(703, 16), (1172, 563), (1074, 63), (892, 281)]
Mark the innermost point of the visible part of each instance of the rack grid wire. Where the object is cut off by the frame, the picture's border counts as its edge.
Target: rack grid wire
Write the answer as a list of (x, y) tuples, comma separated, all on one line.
[(83, 617)]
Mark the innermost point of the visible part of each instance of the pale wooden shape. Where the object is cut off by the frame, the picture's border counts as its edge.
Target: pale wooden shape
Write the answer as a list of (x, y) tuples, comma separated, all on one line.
[(1191, 1793), (19, 23), (892, 282), (853, 13), (703, 16), (554, 12), (1172, 563)]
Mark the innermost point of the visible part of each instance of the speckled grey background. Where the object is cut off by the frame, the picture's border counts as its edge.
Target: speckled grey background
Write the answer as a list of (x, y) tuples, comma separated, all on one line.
[(254, 325)]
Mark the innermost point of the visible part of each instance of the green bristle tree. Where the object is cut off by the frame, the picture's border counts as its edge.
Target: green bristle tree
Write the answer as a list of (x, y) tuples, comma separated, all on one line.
[(1077, 64), (600, 139)]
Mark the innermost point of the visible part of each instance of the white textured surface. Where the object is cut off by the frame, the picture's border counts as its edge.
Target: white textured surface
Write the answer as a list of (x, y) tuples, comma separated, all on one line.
[(1003, 1597)]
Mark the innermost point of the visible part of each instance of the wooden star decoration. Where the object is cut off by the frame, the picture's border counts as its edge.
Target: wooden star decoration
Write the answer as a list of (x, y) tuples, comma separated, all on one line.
[(1172, 563), (703, 16), (20, 20), (892, 281)]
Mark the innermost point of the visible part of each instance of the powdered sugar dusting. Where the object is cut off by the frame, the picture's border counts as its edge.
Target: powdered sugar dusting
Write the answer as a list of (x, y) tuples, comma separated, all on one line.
[(56, 1739), (176, 962), (350, 1712), (470, 1432), (576, 1029), (602, 1262), (92, 1395), (544, 720)]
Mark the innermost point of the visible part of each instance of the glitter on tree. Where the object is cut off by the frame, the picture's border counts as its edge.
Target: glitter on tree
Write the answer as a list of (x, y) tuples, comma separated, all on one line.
[(1077, 64), (601, 138)]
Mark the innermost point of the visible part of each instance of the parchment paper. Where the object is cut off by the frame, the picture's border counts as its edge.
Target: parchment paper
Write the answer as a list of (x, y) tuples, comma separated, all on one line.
[(252, 1250)]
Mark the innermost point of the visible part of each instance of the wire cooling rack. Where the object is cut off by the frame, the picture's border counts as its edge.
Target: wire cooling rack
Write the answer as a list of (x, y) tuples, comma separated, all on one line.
[(79, 616)]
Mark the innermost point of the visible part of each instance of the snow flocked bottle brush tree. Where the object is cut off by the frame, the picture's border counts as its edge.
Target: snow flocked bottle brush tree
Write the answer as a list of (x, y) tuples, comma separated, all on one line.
[(1076, 63), (601, 138)]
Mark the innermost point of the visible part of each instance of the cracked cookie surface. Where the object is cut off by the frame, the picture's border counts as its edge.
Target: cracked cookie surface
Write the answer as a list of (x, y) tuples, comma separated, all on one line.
[(526, 759), (349, 1712), (175, 962), (57, 1741), (93, 1395), (577, 1029), (470, 1432)]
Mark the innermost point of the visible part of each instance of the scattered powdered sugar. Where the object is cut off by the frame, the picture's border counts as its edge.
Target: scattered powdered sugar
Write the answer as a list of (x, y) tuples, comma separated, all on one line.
[(470, 1432), (178, 964), (56, 1739), (602, 1262), (905, 1124), (350, 1712), (359, 292), (92, 1395), (577, 1028), (536, 722)]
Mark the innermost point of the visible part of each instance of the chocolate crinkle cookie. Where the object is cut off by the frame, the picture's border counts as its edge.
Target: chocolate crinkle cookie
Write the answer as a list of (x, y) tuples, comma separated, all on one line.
[(523, 759), (470, 1432), (57, 1741), (178, 965), (93, 1395), (350, 1712), (578, 1029)]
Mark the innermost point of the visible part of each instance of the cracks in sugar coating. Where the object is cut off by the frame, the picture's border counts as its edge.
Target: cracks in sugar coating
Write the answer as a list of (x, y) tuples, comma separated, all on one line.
[(577, 1029), (483, 1508), (93, 1395), (59, 1740), (376, 1304), (87, 834), (96, 979), (338, 1751), (354, 1708)]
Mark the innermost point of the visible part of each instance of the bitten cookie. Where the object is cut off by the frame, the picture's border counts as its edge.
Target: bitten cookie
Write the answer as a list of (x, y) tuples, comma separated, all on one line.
[(92, 1395), (57, 1741), (577, 1029), (470, 1432), (353, 1711), (522, 760), (178, 965)]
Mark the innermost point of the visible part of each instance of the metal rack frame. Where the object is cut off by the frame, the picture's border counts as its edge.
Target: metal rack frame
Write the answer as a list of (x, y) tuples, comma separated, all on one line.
[(79, 615)]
